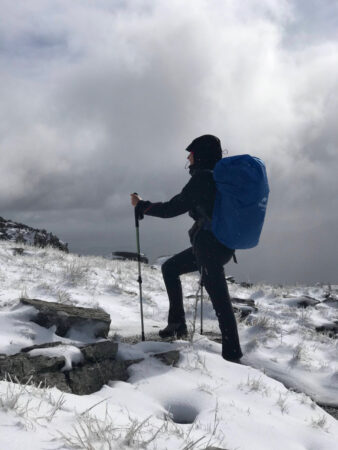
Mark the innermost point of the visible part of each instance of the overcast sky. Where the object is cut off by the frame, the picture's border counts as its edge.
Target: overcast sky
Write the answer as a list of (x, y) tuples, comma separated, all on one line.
[(99, 99)]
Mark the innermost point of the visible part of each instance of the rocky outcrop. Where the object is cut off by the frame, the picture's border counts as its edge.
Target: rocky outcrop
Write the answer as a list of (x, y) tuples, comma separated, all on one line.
[(79, 369), (131, 256), (98, 366), (20, 233), (68, 317)]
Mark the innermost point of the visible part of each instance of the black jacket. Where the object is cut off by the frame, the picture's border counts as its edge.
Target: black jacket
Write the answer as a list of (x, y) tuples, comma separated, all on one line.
[(197, 197)]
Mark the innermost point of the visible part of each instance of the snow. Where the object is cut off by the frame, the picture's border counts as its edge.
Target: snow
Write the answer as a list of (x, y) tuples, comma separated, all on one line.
[(204, 400), (71, 354)]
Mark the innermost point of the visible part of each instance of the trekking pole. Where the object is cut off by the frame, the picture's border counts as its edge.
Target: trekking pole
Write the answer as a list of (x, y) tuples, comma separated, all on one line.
[(139, 271), (201, 283)]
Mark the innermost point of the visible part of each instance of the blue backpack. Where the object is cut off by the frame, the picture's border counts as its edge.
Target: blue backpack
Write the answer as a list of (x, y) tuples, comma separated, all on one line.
[(241, 200)]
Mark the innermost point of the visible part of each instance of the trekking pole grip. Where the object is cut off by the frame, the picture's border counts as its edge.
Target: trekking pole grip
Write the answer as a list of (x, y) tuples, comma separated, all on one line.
[(136, 215)]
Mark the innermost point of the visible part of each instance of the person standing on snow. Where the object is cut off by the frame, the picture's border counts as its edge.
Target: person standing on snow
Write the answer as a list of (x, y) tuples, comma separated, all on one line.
[(206, 254)]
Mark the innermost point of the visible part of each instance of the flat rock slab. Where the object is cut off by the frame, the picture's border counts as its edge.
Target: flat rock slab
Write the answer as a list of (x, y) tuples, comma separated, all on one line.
[(45, 345), (66, 317)]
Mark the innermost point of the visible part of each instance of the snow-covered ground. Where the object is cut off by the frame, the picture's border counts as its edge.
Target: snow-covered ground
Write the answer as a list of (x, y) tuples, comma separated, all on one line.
[(227, 405)]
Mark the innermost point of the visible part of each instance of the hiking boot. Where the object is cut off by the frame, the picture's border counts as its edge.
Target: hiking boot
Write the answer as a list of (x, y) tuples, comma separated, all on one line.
[(236, 361), (229, 353), (174, 330)]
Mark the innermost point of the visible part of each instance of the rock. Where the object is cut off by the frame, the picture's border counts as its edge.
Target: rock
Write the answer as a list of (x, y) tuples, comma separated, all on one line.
[(331, 301), (24, 366), (214, 448), (305, 301), (330, 328), (53, 379), (332, 410), (301, 302), (243, 301), (245, 284), (100, 351), (91, 377), (130, 362), (17, 251), (98, 368), (67, 317), (131, 256), (244, 310), (45, 345), (243, 306), (230, 279), (38, 369), (170, 358)]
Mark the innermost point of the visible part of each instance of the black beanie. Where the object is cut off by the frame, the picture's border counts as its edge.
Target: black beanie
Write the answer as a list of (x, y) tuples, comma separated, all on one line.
[(207, 150)]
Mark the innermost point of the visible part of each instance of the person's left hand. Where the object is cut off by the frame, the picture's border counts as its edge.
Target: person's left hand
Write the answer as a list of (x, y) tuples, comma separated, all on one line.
[(135, 198)]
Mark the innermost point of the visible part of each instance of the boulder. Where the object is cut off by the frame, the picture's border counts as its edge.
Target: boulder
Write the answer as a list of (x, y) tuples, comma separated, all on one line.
[(38, 369), (99, 366), (67, 317), (99, 351)]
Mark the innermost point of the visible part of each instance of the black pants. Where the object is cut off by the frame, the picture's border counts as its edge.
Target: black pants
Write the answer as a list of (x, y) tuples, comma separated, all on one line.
[(210, 254)]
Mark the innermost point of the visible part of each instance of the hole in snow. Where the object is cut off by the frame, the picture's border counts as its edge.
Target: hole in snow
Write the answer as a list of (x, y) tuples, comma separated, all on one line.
[(181, 412)]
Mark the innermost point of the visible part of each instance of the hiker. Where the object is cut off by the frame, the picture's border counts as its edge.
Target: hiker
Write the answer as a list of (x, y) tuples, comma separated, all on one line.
[(206, 254)]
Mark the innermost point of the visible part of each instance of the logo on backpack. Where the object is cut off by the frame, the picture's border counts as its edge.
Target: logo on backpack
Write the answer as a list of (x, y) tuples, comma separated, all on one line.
[(241, 201)]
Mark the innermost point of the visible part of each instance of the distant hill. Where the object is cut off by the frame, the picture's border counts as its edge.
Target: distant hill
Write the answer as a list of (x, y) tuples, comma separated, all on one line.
[(20, 233)]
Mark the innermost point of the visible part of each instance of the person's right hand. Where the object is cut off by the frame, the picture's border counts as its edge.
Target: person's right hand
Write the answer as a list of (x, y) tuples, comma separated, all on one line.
[(135, 198)]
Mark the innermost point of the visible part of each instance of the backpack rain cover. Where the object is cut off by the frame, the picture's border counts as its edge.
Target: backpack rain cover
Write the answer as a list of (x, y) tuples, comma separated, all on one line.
[(242, 192)]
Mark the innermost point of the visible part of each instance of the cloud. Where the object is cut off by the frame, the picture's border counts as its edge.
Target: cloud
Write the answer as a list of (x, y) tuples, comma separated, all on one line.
[(100, 99)]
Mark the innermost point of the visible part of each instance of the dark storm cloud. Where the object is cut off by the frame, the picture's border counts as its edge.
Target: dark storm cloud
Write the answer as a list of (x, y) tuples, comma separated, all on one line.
[(99, 100)]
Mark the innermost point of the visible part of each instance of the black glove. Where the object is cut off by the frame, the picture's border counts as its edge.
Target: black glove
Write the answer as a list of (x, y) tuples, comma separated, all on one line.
[(139, 208)]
